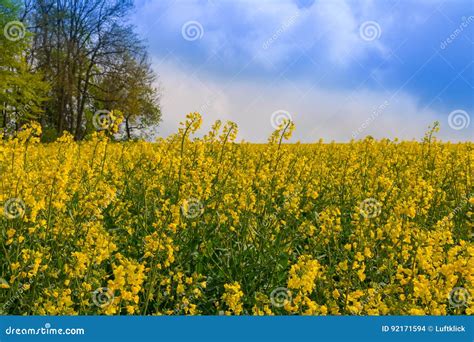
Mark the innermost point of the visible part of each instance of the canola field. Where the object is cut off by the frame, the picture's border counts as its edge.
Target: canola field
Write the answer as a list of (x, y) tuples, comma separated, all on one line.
[(190, 226)]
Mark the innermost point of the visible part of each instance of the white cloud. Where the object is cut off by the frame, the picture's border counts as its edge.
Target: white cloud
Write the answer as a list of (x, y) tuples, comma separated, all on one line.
[(318, 113), (239, 29), (328, 32)]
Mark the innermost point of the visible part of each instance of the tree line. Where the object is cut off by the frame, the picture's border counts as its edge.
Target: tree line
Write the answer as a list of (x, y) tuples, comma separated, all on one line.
[(63, 61)]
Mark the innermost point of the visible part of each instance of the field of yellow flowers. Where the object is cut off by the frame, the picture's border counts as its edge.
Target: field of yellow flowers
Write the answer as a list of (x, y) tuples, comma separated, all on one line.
[(209, 226)]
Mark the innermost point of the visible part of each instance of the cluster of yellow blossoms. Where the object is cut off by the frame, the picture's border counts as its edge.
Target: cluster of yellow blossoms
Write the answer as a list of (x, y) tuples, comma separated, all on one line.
[(188, 226)]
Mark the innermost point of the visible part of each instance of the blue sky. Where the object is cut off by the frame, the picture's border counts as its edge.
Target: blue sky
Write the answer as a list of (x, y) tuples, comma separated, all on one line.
[(340, 69)]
